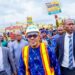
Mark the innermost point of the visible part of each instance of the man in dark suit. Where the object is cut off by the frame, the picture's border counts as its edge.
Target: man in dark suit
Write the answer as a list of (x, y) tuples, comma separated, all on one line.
[(66, 49)]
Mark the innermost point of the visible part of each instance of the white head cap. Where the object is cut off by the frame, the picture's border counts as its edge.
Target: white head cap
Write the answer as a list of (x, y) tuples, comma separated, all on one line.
[(32, 28)]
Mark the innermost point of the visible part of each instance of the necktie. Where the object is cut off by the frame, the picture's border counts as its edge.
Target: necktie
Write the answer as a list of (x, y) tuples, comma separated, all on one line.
[(70, 53)]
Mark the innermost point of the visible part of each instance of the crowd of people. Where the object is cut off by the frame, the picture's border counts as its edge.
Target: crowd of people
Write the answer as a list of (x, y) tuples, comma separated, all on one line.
[(39, 51)]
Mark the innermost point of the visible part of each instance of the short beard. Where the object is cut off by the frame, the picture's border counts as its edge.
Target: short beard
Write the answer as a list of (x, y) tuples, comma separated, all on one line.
[(18, 40), (34, 46)]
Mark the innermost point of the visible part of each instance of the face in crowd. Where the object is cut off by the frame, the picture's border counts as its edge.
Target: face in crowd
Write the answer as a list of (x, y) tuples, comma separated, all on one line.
[(18, 37), (68, 25), (12, 37), (60, 30), (33, 39)]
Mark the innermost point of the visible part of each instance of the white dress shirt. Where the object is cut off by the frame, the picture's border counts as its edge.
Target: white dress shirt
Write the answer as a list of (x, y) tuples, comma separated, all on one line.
[(65, 62), (1, 60)]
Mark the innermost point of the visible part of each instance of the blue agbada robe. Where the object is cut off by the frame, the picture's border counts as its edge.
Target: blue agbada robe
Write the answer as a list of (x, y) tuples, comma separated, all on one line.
[(35, 65), (35, 62)]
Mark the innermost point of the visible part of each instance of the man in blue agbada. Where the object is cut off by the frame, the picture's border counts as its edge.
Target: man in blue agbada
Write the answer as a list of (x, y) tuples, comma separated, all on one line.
[(37, 59)]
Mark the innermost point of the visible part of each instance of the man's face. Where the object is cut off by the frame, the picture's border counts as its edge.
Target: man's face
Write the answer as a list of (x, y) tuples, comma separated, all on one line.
[(18, 37), (68, 25), (33, 39), (44, 34), (60, 30), (12, 37), (54, 32)]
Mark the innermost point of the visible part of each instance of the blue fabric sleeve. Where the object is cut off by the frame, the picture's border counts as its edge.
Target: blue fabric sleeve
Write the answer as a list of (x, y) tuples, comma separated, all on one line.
[(21, 70), (53, 61)]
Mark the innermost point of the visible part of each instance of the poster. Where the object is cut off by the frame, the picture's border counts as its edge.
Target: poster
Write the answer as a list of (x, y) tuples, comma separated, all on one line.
[(53, 7)]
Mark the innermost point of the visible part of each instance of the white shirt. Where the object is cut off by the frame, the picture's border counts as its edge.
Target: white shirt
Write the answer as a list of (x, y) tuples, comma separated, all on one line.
[(65, 62), (1, 60)]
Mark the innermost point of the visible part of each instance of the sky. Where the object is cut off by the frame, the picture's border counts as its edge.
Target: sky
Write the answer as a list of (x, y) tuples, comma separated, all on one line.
[(12, 11)]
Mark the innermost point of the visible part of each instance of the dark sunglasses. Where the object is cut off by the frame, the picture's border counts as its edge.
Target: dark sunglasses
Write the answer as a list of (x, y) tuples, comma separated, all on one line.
[(60, 30), (34, 36)]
